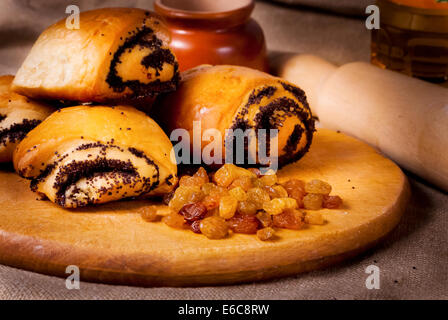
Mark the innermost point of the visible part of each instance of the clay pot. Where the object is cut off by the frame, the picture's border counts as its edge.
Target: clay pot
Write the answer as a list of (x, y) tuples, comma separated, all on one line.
[(214, 32)]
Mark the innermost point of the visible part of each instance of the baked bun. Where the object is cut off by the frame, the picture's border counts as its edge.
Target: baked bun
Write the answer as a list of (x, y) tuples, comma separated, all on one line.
[(88, 155), (231, 97), (117, 54), (18, 115)]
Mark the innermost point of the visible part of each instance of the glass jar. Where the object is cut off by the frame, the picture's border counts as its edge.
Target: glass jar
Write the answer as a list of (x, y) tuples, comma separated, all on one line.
[(413, 38)]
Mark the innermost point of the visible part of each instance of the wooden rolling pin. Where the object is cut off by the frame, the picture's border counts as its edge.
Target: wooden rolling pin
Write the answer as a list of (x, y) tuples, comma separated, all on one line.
[(404, 118)]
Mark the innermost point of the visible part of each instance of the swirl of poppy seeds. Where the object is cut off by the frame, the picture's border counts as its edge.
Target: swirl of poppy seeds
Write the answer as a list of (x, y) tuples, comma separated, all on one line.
[(17, 131), (269, 118), (144, 37), (119, 171)]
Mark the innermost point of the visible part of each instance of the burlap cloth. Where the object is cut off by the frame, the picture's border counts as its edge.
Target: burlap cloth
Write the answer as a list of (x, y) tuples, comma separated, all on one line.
[(412, 261)]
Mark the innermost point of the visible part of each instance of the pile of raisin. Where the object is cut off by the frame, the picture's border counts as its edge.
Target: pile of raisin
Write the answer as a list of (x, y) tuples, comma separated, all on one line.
[(239, 200)]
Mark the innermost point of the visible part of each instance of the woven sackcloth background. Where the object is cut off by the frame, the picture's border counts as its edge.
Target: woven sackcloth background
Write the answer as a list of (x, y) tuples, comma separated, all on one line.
[(412, 260)]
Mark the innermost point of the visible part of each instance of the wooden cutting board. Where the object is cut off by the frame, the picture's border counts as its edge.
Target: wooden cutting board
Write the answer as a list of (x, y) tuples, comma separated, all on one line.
[(112, 244)]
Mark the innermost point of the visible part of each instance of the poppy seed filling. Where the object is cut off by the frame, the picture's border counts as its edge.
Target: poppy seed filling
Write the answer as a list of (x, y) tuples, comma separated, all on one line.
[(116, 174), (17, 131), (90, 169), (144, 37), (274, 114)]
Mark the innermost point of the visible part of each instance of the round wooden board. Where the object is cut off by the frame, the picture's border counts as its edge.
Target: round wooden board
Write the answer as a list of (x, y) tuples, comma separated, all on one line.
[(112, 244)]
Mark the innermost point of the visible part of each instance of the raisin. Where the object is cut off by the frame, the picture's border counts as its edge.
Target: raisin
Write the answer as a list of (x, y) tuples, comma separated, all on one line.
[(298, 195), (202, 174), (195, 226), (244, 224), (318, 187), (294, 184), (332, 202), (314, 217), (277, 205), (208, 188), (247, 208), (228, 173), (265, 234), (193, 211), (264, 218), (149, 213), (227, 207), (174, 220), (225, 175), (268, 180), (245, 182), (238, 193), (214, 227), (276, 191), (313, 201), (273, 207), (296, 190), (185, 195), (289, 219), (191, 181), (258, 196), (211, 201)]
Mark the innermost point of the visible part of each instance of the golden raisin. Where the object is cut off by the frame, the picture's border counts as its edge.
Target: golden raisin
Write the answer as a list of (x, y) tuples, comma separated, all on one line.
[(193, 211), (221, 191), (247, 208), (228, 173), (174, 220), (313, 201), (318, 187), (149, 213), (296, 190), (289, 219), (214, 227), (264, 218), (278, 205), (185, 195), (298, 196), (238, 193), (208, 188), (211, 201), (273, 207), (314, 217), (268, 180), (244, 224), (244, 182), (294, 184), (227, 207), (202, 174), (265, 234), (225, 175), (276, 191), (332, 202), (258, 196)]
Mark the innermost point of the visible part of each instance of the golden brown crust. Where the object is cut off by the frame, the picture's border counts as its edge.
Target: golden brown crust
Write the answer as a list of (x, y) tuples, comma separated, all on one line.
[(18, 115), (83, 155), (117, 54), (231, 97)]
